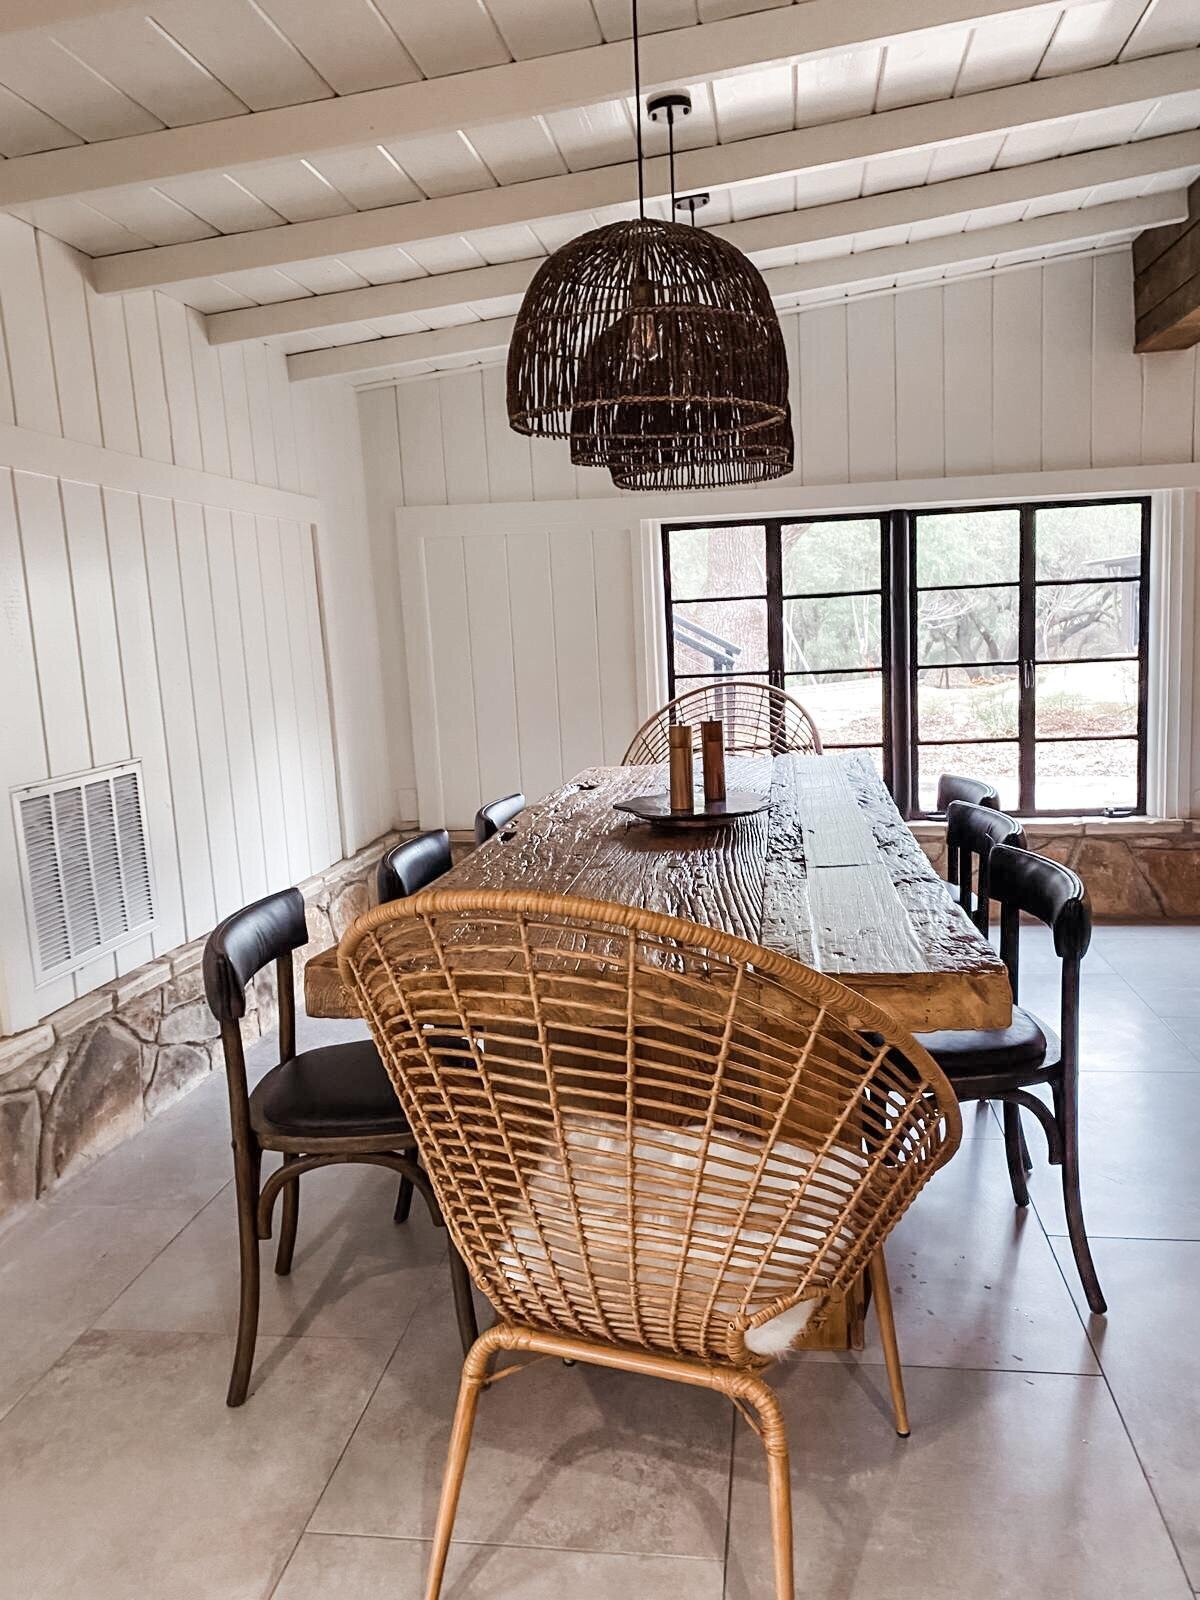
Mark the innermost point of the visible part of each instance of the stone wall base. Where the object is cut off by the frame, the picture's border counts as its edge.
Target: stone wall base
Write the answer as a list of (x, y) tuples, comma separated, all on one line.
[(95, 1072)]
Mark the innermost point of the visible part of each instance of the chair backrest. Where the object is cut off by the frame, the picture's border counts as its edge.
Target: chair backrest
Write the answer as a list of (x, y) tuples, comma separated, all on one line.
[(491, 818), (638, 1129), (1026, 883), (973, 790), (759, 720), (238, 948), (972, 832), (413, 865)]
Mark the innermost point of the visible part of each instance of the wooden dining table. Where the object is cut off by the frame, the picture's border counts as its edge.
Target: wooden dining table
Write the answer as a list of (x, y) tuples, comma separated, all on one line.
[(828, 873)]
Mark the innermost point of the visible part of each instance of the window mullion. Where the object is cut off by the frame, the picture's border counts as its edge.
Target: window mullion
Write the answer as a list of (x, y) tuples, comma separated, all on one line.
[(1027, 672), (774, 537), (901, 614)]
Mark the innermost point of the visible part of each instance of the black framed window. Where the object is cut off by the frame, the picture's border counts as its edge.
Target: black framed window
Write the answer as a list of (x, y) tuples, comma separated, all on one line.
[(1004, 642)]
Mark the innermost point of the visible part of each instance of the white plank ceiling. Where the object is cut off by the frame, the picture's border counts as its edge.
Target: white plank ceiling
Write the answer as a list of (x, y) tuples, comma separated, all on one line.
[(116, 76)]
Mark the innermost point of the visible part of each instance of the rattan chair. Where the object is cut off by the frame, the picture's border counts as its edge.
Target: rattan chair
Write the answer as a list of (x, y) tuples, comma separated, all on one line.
[(759, 720), (318, 1108), (497, 814), (657, 1147)]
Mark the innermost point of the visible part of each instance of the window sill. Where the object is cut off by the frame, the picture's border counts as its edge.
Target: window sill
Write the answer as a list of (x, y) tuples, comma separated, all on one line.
[(1059, 827)]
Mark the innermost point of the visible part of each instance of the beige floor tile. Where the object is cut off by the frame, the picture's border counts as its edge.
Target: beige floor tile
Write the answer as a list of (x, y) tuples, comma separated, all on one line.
[(1151, 1358), (60, 1266), (1138, 1162), (1011, 1485), (356, 1274), (127, 1478), (573, 1458), (974, 1280), (333, 1567)]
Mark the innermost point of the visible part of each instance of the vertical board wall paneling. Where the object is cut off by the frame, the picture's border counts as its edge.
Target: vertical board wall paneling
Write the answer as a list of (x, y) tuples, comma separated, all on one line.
[(100, 660), (612, 570), (296, 553), (235, 701), (453, 678), (1015, 337), (465, 448), (920, 385), (1116, 370), (315, 646), (52, 613), (824, 416), (1067, 366), (210, 402), (283, 425), (70, 339), (262, 430), (577, 651), (1168, 396), (968, 368), (259, 682), (147, 736), (146, 367), (489, 616), (871, 388), (510, 470), (23, 759), (175, 341), (422, 443), (535, 669), (26, 329), (237, 411), (114, 376), (283, 685)]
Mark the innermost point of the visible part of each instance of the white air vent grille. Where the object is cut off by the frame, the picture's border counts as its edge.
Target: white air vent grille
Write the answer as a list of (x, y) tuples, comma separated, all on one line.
[(85, 864)]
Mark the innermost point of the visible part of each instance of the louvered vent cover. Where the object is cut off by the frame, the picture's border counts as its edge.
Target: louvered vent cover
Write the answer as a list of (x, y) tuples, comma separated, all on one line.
[(85, 864)]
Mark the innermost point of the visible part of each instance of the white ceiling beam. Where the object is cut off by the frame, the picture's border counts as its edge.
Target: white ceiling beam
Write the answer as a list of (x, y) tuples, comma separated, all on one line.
[(745, 161), (1174, 153), (983, 245), (691, 55)]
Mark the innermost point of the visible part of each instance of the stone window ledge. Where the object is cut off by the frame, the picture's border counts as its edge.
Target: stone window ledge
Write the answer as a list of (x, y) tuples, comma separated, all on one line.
[(1077, 827)]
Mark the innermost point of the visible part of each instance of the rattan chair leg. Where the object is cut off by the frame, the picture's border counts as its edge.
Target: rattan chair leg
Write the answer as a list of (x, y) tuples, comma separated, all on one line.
[(403, 1201), (474, 1377), (464, 1301), (247, 1166), (779, 1478), (881, 1293), (1016, 1151), (288, 1222)]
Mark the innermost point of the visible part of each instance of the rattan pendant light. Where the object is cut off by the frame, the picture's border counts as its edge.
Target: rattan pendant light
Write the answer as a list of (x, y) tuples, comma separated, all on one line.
[(645, 339)]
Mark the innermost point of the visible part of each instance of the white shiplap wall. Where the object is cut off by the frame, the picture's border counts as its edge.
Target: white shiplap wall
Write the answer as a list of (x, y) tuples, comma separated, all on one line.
[(523, 626), (159, 598)]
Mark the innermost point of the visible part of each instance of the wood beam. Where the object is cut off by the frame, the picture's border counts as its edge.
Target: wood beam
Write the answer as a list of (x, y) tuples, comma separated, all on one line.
[(982, 246), (1166, 283), (518, 89), (746, 161), (1174, 153)]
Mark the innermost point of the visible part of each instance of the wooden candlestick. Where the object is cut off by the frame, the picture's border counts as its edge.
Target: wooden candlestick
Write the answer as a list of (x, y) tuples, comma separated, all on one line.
[(712, 754), (679, 737)]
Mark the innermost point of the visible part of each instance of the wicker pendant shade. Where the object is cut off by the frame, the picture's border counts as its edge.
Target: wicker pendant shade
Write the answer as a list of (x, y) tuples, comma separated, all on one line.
[(646, 332), (756, 457)]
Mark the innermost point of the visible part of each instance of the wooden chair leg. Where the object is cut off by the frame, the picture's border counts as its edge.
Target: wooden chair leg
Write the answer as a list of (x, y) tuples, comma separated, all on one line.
[(247, 1169), (1073, 1205), (288, 1222), (464, 1301), (474, 1377), (403, 1201), (779, 1483), (1017, 1153), (881, 1293)]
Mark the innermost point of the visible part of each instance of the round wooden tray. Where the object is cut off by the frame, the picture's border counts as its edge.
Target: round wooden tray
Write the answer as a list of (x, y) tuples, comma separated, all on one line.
[(656, 808)]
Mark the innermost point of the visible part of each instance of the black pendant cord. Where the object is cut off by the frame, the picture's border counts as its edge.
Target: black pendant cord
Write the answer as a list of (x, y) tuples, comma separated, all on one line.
[(671, 154), (637, 112)]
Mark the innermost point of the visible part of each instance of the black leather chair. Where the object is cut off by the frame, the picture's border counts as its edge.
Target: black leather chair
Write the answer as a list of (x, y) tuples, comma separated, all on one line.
[(491, 818), (1006, 1063), (318, 1108), (972, 832), (408, 868), (976, 793)]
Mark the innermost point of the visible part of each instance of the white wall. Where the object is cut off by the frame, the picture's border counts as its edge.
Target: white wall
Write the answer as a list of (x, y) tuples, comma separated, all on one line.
[(159, 526), (523, 614)]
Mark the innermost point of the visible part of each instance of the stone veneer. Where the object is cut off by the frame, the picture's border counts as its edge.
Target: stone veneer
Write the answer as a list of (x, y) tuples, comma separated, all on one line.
[(1135, 871), (91, 1074)]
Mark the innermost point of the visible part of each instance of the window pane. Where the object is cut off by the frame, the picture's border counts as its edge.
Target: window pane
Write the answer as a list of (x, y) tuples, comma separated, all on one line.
[(997, 763), (1091, 775), (716, 561), (966, 625), (831, 634), (846, 710), (956, 703), (1087, 619), (819, 557), (968, 547), (1088, 541), (720, 635), (1095, 697)]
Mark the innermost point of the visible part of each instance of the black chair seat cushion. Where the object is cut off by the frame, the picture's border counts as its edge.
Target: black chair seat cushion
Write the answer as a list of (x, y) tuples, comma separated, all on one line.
[(338, 1091), (1026, 1047)]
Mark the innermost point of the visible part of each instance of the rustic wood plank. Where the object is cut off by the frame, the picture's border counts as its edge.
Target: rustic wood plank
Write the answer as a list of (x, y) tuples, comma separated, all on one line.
[(829, 875), (1166, 283)]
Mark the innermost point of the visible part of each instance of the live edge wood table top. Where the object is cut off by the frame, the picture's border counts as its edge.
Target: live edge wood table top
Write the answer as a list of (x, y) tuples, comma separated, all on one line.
[(829, 874)]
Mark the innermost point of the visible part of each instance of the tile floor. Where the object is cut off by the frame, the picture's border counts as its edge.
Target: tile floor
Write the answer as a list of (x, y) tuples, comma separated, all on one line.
[(1052, 1454)]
